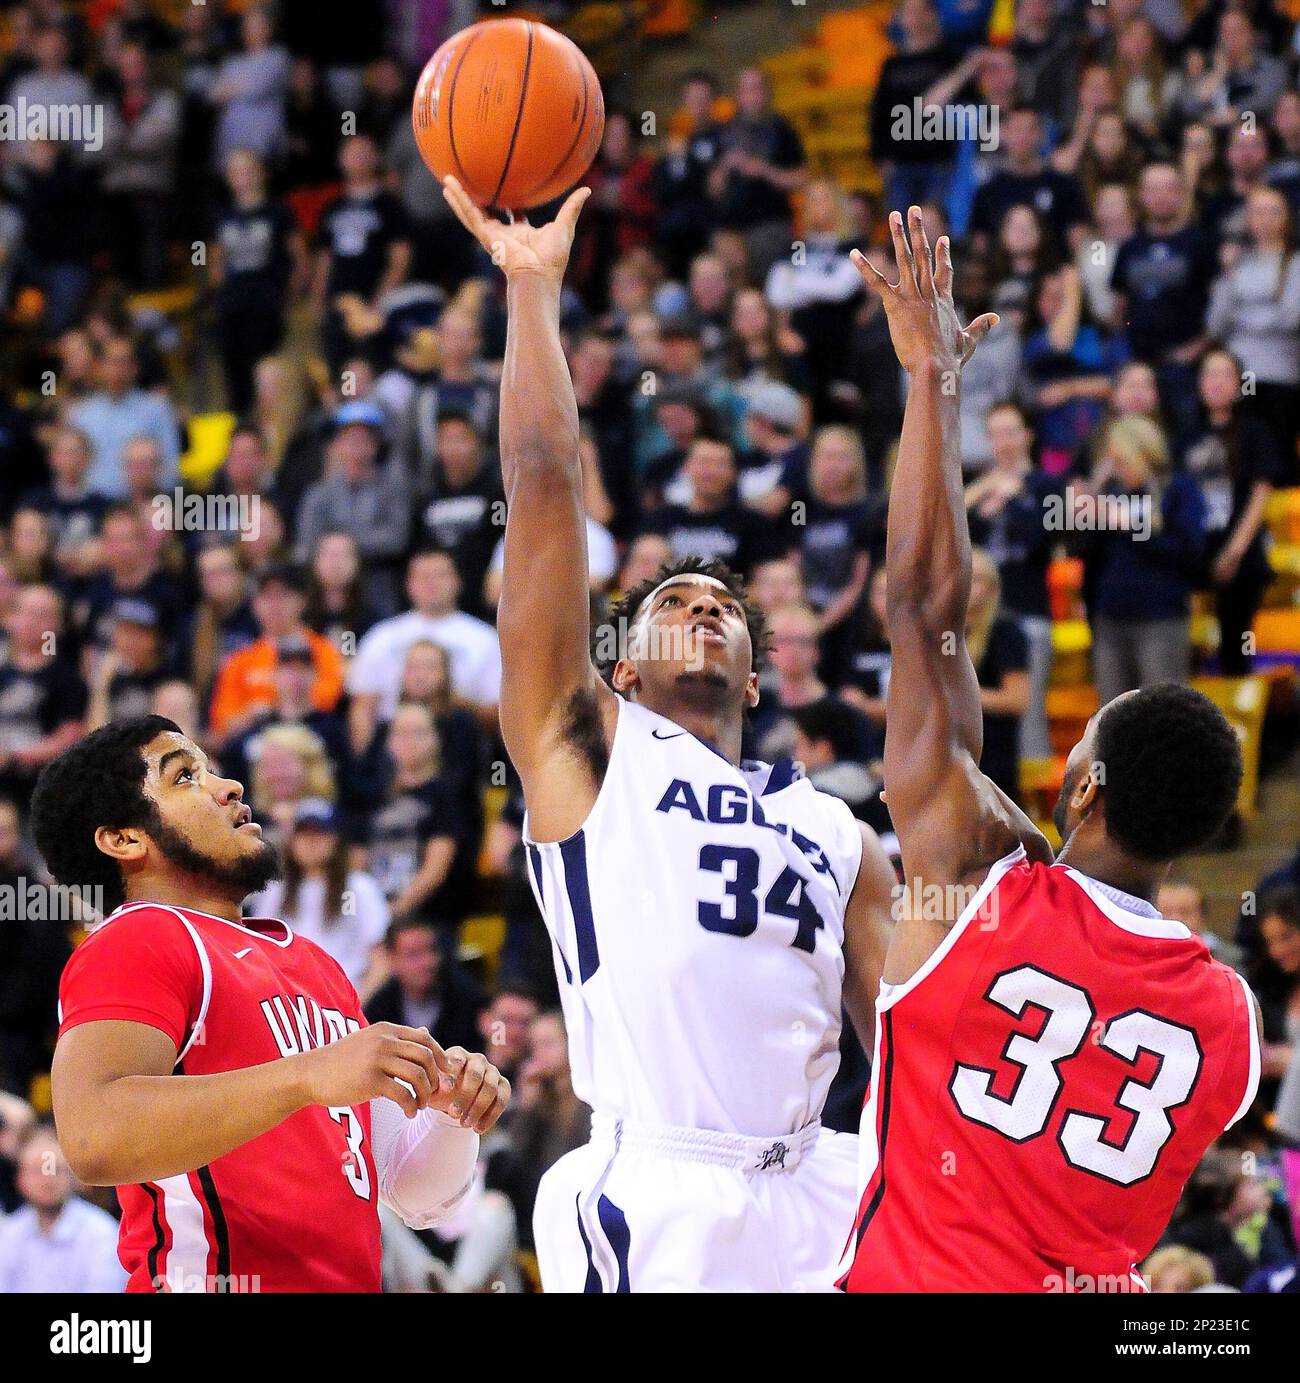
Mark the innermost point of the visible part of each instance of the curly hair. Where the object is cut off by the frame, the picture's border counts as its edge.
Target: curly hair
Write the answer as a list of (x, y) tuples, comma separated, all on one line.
[(99, 781), (622, 613), (1172, 767)]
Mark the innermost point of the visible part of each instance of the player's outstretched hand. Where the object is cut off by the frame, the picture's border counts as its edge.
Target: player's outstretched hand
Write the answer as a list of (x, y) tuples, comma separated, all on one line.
[(476, 1094), (375, 1061), (923, 322), (519, 247)]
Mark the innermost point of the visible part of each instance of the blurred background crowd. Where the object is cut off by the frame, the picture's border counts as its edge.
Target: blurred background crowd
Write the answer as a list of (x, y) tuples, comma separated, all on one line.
[(248, 391)]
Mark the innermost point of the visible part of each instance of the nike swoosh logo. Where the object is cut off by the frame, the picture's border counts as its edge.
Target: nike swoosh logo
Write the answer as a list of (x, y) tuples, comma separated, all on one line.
[(239, 955), (658, 736)]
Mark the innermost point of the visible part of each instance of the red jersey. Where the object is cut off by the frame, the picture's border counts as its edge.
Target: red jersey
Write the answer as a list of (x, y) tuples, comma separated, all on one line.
[(296, 1208), (1042, 1088)]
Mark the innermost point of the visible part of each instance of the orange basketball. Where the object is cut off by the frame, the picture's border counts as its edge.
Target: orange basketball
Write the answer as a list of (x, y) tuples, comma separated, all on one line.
[(510, 108)]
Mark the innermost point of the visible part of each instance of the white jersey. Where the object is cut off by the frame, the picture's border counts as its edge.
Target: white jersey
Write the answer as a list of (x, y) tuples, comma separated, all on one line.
[(697, 920)]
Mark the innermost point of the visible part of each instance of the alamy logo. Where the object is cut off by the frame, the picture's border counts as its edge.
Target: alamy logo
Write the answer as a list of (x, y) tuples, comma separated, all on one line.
[(978, 122), (78, 1336)]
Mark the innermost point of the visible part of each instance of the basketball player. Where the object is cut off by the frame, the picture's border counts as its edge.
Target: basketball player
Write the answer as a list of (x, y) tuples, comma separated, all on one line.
[(704, 912), (217, 1069), (1053, 1057)]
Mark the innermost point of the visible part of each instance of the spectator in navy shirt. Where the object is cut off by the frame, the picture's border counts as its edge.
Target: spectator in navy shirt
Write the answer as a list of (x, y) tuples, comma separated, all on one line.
[(73, 509), (256, 252), (1162, 283), (1234, 459), (1027, 180), (1008, 509), (1142, 527)]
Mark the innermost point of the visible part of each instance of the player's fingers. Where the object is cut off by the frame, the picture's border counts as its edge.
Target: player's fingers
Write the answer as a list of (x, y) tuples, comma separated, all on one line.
[(468, 1085), (484, 1101), (981, 327), (400, 1094), (499, 1105), (871, 276), (920, 243), (412, 1073), (467, 211), (943, 266), (902, 255), (568, 213), (414, 1054)]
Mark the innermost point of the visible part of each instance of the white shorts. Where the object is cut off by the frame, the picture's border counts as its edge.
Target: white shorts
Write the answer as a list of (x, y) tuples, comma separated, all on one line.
[(654, 1209)]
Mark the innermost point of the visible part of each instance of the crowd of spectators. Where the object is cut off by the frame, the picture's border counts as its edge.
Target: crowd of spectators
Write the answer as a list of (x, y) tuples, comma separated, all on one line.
[(326, 631)]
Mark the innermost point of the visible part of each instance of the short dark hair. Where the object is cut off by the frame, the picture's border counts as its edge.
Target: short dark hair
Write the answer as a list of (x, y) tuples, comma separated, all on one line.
[(629, 603), (1172, 767), (830, 720), (1282, 901), (99, 781)]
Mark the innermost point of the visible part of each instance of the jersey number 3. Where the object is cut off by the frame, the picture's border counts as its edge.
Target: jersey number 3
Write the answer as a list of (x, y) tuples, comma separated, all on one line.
[(1025, 1112)]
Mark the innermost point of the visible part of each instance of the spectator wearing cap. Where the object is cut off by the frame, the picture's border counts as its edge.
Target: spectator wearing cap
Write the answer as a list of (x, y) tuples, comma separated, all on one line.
[(132, 668), (294, 681), (462, 511), (245, 683), (774, 466), (342, 910), (42, 700), (362, 493), (117, 412), (57, 1242)]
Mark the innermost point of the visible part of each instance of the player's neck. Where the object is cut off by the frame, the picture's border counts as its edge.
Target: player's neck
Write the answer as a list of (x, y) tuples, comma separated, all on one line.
[(1108, 865), (186, 891), (720, 728)]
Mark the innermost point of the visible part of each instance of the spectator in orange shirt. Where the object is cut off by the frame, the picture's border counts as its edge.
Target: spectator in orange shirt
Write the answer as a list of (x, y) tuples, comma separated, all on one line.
[(245, 684)]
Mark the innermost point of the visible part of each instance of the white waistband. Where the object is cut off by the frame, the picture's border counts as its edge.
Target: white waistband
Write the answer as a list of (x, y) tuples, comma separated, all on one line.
[(781, 1153)]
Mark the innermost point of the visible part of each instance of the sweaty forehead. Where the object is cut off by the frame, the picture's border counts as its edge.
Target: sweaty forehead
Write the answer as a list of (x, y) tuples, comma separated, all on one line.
[(707, 582)]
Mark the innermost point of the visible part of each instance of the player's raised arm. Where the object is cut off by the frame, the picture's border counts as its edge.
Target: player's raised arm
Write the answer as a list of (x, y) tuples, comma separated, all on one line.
[(543, 615), (951, 822)]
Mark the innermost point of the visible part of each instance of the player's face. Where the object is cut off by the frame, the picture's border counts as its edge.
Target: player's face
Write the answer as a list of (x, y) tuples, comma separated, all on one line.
[(203, 825), (690, 636)]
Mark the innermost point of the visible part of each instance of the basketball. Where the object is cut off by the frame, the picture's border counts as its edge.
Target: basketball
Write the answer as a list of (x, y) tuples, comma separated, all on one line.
[(513, 110)]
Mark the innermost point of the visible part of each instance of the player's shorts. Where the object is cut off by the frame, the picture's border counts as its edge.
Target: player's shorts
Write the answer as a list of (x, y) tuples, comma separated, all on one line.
[(645, 1208)]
